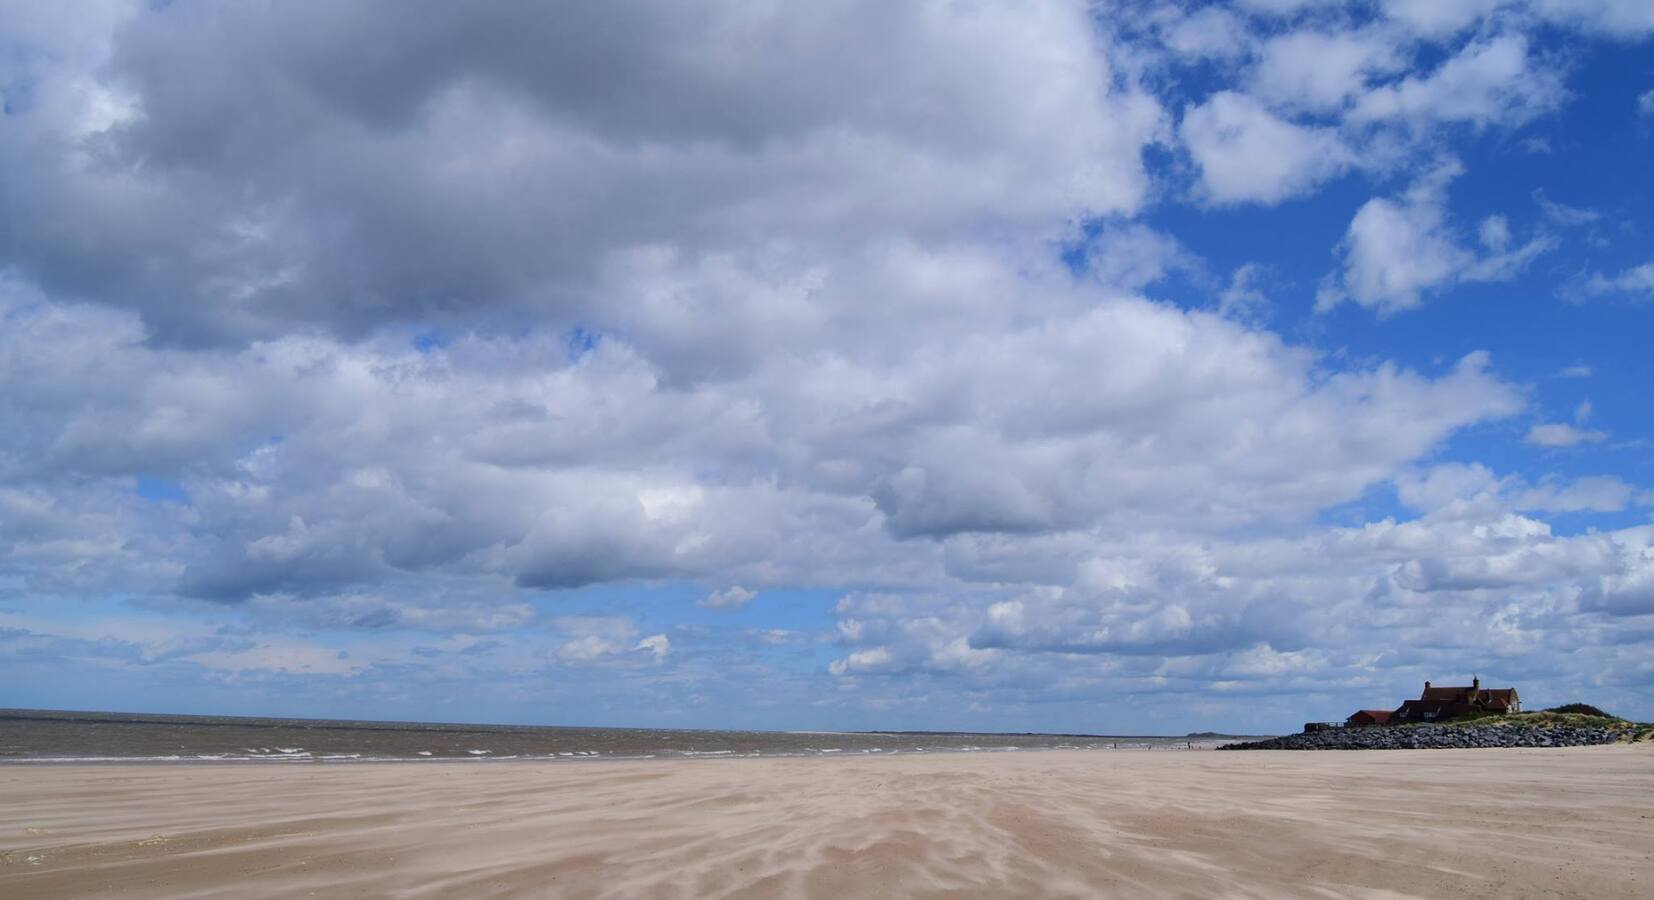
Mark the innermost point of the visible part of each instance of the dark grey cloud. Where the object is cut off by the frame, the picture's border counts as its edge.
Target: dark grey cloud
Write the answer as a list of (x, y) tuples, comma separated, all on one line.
[(234, 171)]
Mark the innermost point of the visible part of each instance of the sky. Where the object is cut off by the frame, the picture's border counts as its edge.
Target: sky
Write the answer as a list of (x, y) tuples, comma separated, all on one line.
[(1128, 366)]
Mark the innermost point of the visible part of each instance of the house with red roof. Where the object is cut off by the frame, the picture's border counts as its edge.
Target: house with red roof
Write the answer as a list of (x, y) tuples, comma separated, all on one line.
[(1438, 703)]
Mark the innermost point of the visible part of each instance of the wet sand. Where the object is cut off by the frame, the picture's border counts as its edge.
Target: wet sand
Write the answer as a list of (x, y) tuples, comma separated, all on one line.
[(1474, 823)]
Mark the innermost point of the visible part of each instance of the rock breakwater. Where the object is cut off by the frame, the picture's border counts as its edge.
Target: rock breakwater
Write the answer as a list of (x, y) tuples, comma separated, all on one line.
[(1441, 737)]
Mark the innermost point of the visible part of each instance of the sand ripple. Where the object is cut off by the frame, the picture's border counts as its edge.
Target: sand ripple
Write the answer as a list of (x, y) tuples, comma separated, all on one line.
[(1505, 823)]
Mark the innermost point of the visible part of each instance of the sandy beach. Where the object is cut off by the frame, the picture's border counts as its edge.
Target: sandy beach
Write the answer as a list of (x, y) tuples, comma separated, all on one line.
[(1499, 823)]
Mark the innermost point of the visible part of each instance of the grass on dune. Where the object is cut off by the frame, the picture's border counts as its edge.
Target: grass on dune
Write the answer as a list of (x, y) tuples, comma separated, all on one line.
[(1570, 715)]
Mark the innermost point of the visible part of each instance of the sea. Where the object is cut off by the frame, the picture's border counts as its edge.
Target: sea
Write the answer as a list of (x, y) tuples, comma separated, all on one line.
[(52, 736)]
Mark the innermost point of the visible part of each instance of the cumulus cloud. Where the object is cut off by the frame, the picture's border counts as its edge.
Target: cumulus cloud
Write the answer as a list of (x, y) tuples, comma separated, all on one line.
[(1321, 71), (587, 648), (1439, 18), (1155, 613), (1211, 32), (604, 641), (1627, 592), (1131, 257), (861, 661), (1624, 19), (1246, 154), (1331, 94), (1488, 82), (259, 173), (1397, 250), (510, 459), (1150, 616), (1243, 299)]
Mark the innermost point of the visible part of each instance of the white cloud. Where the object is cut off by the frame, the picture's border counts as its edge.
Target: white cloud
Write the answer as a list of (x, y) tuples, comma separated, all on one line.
[(1629, 592), (1492, 81), (1625, 19), (1130, 257), (1563, 214), (861, 661), (1504, 265), (1398, 250), (731, 598), (1495, 234), (1439, 18), (1208, 33), (1320, 71), (1561, 434), (657, 645), (1156, 616), (1449, 485), (1461, 491), (1635, 282), (1152, 610), (604, 641), (1243, 300), (1248, 155), (1591, 494), (1645, 103), (587, 648), (506, 460)]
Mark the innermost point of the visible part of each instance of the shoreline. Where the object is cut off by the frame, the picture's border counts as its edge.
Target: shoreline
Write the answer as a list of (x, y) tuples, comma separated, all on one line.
[(1194, 746), (1562, 822), (65, 737)]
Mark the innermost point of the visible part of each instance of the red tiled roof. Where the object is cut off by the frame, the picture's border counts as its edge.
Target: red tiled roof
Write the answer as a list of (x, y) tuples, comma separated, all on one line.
[(1438, 701)]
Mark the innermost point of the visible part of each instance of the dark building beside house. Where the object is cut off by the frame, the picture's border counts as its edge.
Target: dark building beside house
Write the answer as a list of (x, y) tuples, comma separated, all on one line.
[(1365, 717), (1446, 702)]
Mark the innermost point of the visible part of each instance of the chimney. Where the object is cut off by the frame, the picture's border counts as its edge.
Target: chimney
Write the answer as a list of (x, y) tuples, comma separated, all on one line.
[(1427, 685), (1475, 683)]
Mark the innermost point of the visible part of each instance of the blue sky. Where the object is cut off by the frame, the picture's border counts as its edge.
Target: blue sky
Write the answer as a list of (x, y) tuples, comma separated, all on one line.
[(1118, 366)]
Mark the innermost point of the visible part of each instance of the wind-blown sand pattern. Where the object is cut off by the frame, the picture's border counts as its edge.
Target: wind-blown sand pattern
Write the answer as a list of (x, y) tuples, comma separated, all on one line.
[(1495, 823)]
